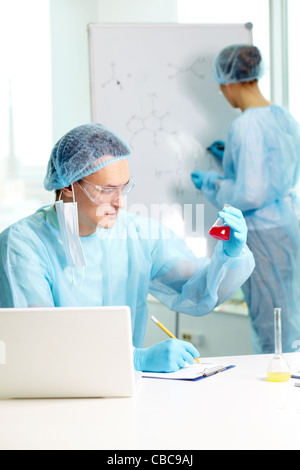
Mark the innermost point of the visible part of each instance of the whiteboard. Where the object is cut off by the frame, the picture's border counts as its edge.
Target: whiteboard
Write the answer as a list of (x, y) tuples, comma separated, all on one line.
[(152, 84)]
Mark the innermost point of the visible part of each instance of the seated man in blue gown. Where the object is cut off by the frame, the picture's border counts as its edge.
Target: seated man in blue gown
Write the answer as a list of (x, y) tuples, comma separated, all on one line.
[(86, 250)]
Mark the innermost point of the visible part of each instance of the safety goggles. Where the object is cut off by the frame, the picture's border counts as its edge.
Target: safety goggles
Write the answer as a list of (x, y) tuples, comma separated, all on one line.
[(105, 194)]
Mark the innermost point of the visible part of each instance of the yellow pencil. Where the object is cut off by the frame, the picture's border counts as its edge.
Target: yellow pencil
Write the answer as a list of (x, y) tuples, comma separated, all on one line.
[(168, 332)]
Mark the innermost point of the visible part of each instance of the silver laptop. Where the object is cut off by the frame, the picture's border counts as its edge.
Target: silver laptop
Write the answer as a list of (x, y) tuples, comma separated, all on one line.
[(66, 353)]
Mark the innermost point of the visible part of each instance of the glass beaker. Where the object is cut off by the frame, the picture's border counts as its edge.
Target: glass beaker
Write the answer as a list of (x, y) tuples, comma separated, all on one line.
[(279, 369), (219, 230)]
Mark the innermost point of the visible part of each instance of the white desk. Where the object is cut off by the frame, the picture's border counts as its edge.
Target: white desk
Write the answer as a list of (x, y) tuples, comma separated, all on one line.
[(237, 409)]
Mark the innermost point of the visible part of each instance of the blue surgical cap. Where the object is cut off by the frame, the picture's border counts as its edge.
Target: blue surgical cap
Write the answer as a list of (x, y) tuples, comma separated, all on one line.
[(238, 63), (81, 152)]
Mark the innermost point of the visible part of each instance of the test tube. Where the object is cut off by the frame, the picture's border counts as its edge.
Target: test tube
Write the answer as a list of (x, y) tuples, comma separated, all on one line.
[(278, 370)]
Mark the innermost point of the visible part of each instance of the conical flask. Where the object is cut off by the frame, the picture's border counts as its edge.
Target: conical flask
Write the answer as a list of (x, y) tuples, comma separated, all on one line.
[(220, 230)]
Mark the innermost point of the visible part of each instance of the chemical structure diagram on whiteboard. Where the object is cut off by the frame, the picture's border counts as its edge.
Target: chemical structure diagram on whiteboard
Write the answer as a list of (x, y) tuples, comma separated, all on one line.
[(115, 78), (153, 122), (196, 69)]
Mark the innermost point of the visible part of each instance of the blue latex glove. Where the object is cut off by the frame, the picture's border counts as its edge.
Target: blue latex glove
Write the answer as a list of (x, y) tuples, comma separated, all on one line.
[(197, 178), (207, 178), (217, 149), (168, 356), (238, 235)]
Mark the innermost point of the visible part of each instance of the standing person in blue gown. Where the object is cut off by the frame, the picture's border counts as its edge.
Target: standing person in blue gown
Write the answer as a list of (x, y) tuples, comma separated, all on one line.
[(86, 250), (261, 168)]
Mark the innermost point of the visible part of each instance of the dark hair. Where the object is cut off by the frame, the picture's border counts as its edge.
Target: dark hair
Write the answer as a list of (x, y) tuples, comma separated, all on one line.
[(245, 60)]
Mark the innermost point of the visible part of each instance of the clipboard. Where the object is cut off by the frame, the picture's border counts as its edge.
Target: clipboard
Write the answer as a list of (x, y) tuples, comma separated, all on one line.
[(225, 368), (190, 373)]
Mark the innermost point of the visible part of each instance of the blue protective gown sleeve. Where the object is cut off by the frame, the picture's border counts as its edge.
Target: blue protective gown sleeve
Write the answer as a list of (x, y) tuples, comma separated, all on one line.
[(259, 161), (193, 285), (26, 273), (241, 189)]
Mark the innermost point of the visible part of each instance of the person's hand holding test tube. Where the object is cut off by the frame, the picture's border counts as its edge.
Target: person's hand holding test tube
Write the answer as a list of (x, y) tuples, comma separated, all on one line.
[(168, 356)]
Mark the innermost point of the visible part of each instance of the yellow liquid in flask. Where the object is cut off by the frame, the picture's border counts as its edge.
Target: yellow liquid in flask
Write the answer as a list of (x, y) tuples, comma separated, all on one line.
[(278, 376)]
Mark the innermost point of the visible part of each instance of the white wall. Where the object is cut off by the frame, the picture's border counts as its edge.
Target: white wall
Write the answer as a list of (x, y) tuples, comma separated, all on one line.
[(70, 63), (140, 11)]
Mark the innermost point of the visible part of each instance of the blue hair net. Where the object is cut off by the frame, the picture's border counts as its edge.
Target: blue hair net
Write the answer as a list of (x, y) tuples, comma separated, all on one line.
[(238, 63), (81, 152)]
